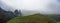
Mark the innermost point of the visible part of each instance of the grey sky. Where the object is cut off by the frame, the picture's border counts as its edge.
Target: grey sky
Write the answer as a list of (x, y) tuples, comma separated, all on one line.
[(43, 6)]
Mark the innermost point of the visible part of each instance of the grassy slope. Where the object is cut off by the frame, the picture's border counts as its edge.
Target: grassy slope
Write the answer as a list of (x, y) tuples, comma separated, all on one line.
[(59, 22), (31, 18)]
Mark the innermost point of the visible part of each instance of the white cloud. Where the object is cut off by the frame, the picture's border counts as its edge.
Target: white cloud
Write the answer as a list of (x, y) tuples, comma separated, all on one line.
[(40, 5), (26, 4)]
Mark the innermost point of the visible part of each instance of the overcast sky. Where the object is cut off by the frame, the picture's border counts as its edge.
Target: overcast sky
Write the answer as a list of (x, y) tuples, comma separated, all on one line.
[(44, 6)]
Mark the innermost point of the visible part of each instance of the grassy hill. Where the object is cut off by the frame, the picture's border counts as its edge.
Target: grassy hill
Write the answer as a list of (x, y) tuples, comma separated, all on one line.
[(36, 18)]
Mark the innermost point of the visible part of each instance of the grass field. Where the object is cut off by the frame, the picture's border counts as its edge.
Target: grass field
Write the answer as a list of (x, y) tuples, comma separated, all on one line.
[(58, 22)]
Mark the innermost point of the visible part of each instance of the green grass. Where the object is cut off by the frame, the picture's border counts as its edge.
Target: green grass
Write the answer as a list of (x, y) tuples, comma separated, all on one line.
[(36, 18), (58, 22), (32, 18)]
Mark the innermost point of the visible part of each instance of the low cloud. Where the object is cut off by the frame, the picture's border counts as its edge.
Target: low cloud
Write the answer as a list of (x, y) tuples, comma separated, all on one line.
[(43, 6)]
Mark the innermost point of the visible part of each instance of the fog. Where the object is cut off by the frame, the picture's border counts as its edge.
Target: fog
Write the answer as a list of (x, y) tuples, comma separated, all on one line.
[(39, 6)]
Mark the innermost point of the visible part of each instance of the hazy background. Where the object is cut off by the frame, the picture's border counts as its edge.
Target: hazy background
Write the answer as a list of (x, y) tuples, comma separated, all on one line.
[(32, 6)]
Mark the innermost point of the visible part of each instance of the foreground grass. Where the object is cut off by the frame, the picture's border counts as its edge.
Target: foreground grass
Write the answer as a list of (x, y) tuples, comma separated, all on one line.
[(32, 19), (58, 22)]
